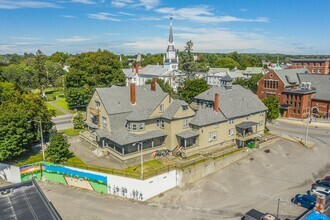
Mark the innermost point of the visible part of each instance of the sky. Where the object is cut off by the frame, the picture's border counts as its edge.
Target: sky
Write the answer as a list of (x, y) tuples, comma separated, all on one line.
[(142, 26)]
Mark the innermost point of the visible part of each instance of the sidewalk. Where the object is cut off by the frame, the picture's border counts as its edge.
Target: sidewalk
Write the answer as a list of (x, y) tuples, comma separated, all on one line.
[(318, 123)]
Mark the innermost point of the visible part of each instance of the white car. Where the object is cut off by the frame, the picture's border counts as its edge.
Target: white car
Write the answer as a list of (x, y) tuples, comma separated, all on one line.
[(319, 191)]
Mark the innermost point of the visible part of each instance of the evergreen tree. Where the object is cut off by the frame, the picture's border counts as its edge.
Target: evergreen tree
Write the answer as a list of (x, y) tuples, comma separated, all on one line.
[(187, 63), (58, 148), (79, 121)]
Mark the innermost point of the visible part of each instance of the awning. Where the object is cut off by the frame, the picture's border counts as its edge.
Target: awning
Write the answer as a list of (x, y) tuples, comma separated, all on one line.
[(187, 134), (92, 125), (246, 124)]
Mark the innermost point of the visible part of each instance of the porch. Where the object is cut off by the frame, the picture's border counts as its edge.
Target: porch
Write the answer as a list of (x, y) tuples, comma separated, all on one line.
[(246, 131), (187, 139)]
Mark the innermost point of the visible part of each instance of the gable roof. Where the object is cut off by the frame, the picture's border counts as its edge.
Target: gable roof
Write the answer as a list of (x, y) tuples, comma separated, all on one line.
[(217, 70), (128, 72), (206, 116), (116, 99), (321, 83), (253, 70), (235, 102), (289, 76), (173, 108), (154, 70)]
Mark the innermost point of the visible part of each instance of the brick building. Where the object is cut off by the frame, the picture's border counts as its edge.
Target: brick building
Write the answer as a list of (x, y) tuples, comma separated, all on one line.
[(299, 92), (315, 66)]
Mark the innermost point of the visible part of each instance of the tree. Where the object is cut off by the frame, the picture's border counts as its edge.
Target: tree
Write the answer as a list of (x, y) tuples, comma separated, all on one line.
[(212, 59), (250, 83), (58, 148), (40, 68), (79, 121), (227, 63), (191, 88), (17, 108), (187, 63), (273, 107)]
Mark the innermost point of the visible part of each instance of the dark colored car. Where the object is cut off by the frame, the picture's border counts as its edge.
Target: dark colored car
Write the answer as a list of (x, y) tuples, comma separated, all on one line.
[(327, 178), (323, 183), (305, 201)]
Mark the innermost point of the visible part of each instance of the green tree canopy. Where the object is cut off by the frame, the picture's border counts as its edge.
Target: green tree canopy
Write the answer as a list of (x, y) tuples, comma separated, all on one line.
[(250, 83), (79, 121), (165, 87), (58, 148), (187, 63), (17, 109), (273, 107), (191, 88), (227, 63)]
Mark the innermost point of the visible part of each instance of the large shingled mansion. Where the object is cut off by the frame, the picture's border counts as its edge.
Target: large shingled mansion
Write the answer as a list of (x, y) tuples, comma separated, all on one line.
[(126, 120)]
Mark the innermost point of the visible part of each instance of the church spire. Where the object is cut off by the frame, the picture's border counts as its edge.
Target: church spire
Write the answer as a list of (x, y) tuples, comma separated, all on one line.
[(170, 38)]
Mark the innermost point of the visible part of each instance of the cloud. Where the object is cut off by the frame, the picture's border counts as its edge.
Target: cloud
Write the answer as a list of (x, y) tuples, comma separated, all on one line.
[(26, 38), (89, 2), (121, 3), (203, 14), (14, 4), (68, 16), (147, 19), (104, 16), (125, 13), (147, 4), (73, 39), (243, 9)]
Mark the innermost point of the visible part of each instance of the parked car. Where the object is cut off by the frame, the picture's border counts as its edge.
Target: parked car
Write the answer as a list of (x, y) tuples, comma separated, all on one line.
[(327, 178), (319, 191), (322, 183), (305, 201)]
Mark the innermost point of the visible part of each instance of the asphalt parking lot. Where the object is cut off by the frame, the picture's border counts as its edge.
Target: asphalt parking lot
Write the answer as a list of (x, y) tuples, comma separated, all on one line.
[(257, 181)]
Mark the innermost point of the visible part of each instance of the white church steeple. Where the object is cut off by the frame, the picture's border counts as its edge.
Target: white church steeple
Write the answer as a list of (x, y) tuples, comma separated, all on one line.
[(171, 62)]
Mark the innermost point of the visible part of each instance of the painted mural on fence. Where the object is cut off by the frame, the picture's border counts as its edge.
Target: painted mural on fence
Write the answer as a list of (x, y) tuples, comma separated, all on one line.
[(66, 175)]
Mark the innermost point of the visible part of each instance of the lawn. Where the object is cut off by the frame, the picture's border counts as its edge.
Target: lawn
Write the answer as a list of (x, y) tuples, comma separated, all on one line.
[(57, 111), (72, 132), (150, 166), (63, 104)]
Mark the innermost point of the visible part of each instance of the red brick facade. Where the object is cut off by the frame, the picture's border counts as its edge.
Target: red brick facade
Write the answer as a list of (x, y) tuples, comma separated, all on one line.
[(270, 85), (321, 108), (293, 104), (314, 66)]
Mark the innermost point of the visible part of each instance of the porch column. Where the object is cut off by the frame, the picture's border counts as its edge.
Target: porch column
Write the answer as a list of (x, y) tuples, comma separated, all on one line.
[(152, 143), (185, 143), (103, 142), (123, 150)]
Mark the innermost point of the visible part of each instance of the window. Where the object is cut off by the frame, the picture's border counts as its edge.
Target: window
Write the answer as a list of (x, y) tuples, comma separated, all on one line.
[(134, 127), (128, 126), (261, 123), (216, 125), (185, 123), (194, 128), (104, 122), (231, 132), (212, 136), (97, 104), (141, 126), (162, 139), (184, 108), (261, 114), (231, 121), (161, 108), (160, 123)]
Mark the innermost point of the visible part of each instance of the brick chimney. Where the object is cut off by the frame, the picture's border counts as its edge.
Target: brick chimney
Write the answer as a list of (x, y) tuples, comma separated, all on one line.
[(132, 93), (153, 84), (216, 102), (137, 68)]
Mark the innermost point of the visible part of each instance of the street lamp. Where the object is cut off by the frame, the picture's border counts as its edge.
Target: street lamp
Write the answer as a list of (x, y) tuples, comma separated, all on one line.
[(141, 149), (42, 139)]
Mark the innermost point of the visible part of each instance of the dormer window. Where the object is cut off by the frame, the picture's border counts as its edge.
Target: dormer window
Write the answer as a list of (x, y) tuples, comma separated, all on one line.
[(141, 126), (134, 127), (184, 108)]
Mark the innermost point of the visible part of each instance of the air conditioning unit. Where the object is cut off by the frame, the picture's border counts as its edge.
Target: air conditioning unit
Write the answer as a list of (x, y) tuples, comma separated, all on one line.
[(303, 85)]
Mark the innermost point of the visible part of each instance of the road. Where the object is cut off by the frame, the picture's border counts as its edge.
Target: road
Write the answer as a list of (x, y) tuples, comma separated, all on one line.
[(63, 122)]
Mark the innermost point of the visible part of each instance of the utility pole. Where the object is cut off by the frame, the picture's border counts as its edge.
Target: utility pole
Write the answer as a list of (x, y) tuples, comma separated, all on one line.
[(42, 142), (308, 120), (141, 146), (278, 208)]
